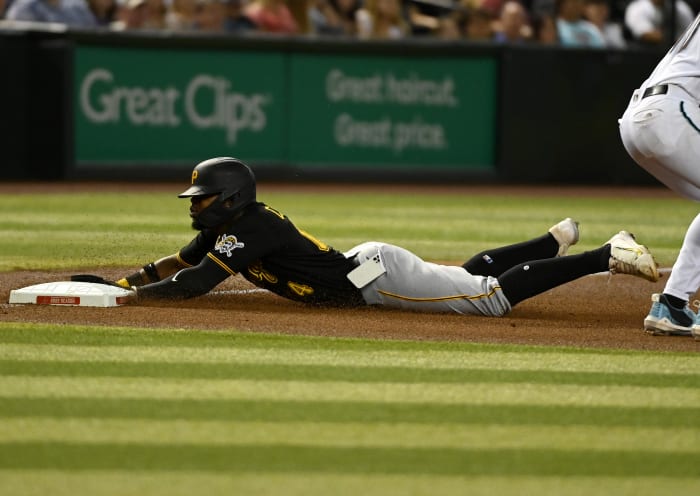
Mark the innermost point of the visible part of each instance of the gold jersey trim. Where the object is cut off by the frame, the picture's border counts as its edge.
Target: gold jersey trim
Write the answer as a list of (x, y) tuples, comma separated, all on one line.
[(221, 264), (179, 259)]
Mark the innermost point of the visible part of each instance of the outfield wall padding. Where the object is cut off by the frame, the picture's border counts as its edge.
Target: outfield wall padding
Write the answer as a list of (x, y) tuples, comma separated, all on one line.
[(102, 105)]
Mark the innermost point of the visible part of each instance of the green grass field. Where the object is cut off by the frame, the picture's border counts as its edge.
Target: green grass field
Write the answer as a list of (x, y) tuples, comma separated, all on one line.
[(49, 231), (135, 411), (117, 411)]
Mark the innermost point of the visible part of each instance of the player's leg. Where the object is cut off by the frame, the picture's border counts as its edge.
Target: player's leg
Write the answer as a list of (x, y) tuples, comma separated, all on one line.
[(669, 312), (670, 178), (662, 134), (621, 254), (532, 278), (496, 261), (685, 275), (411, 283)]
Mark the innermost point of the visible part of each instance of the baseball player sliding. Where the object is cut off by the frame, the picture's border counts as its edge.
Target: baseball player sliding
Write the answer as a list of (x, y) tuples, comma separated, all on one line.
[(238, 234), (661, 131)]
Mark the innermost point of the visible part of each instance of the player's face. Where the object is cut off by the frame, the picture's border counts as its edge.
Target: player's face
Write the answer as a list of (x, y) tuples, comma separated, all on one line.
[(197, 204)]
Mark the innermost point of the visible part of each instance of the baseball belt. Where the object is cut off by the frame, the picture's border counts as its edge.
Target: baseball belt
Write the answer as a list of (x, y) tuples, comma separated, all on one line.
[(659, 89)]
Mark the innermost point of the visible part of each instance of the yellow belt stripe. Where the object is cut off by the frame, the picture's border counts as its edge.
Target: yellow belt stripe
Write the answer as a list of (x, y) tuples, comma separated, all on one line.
[(221, 264), (441, 298)]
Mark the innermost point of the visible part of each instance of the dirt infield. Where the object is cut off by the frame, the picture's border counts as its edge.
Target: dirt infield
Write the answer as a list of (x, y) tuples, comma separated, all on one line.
[(596, 311)]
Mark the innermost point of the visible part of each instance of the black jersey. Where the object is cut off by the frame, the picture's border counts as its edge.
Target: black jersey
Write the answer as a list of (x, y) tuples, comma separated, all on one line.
[(265, 247)]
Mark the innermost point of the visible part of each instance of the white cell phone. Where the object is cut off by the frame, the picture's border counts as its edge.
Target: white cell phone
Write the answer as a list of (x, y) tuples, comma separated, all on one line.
[(367, 271)]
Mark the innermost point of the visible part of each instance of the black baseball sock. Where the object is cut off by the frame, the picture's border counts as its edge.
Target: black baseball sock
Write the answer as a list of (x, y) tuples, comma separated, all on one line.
[(532, 278), (675, 301), (498, 260)]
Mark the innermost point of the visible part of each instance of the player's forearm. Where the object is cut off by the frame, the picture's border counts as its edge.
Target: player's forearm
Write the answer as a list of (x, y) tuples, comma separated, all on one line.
[(186, 283), (169, 290), (153, 272)]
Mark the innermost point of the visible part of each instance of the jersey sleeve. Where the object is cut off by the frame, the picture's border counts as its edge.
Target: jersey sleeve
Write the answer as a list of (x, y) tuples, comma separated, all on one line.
[(197, 249), (260, 232)]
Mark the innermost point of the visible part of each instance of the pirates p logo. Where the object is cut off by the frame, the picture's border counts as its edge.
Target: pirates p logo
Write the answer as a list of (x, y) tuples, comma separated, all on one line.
[(194, 175)]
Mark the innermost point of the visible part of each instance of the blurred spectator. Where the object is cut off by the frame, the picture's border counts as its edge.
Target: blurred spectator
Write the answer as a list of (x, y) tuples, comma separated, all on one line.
[(544, 29), (300, 12), (105, 11), (156, 11), (74, 13), (181, 15), (572, 29), (272, 16), (694, 5), (598, 12), (425, 16), (540, 8), (210, 16), (513, 26), (131, 15), (381, 19), (617, 10), (449, 27), (493, 6), (645, 20), (333, 17), (421, 21), (3, 7), (236, 20), (477, 24)]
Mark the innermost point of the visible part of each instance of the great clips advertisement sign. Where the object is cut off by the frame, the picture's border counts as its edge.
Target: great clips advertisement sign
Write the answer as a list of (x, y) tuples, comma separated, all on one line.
[(164, 107)]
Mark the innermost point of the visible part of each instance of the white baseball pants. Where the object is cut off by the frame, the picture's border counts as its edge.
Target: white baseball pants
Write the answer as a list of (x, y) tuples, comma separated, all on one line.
[(411, 283)]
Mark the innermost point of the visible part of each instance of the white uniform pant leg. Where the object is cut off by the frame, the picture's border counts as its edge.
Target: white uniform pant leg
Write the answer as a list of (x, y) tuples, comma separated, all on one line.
[(411, 283), (662, 134), (684, 280)]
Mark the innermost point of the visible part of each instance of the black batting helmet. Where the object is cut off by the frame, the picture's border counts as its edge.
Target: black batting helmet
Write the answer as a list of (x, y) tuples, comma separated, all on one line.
[(227, 177)]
